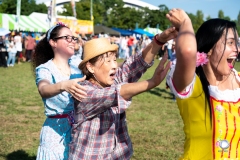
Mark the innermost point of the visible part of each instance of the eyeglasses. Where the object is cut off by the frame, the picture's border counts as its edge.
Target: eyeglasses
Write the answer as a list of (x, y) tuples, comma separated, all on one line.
[(68, 38)]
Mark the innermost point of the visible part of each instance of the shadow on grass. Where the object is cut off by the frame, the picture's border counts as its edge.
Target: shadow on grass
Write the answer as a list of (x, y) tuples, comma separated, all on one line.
[(159, 92), (18, 155)]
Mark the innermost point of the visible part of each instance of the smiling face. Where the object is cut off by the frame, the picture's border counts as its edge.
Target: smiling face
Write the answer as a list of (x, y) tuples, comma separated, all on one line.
[(62, 45), (224, 54), (104, 69)]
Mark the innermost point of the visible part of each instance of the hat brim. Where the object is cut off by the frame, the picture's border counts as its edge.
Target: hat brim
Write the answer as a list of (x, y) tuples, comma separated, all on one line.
[(111, 48)]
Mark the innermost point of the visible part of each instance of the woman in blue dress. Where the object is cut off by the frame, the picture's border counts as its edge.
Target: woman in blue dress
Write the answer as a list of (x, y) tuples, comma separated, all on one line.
[(57, 77)]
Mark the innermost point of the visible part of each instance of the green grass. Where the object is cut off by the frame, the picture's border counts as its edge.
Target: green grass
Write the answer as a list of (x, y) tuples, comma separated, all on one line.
[(154, 124)]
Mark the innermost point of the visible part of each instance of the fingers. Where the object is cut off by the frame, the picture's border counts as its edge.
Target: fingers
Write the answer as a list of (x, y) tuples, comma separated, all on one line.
[(164, 70), (167, 67), (80, 89), (164, 59), (161, 67), (170, 13), (78, 94), (80, 79), (79, 98), (77, 90)]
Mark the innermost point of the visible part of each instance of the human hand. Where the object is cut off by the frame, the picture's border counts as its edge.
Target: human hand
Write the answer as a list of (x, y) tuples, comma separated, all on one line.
[(167, 35), (177, 17), (161, 70), (75, 89)]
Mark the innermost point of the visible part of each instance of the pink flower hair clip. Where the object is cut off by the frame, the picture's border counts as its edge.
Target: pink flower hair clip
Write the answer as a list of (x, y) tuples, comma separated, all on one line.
[(201, 59), (60, 24)]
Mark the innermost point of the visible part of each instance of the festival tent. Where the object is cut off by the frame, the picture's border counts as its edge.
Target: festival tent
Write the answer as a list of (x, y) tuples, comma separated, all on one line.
[(26, 23), (76, 25), (4, 31), (99, 29), (153, 31), (124, 32), (142, 32)]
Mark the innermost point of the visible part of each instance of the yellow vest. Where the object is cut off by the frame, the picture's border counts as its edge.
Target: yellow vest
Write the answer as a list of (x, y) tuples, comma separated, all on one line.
[(205, 139)]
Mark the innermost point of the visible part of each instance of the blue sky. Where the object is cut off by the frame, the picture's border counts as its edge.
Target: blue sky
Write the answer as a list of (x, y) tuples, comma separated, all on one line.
[(230, 8)]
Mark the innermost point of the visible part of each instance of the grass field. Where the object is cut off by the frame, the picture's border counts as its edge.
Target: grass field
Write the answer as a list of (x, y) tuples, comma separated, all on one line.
[(153, 118)]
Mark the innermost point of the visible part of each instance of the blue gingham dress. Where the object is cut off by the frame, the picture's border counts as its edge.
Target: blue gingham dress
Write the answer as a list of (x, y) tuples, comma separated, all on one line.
[(55, 134)]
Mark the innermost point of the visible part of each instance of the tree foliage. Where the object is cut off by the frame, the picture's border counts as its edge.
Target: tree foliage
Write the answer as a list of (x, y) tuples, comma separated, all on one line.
[(221, 15), (112, 13), (238, 23), (27, 7), (238, 19)]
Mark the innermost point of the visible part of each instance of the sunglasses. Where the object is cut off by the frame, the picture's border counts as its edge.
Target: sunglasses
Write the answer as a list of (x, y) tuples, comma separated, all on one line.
[(68, 38)]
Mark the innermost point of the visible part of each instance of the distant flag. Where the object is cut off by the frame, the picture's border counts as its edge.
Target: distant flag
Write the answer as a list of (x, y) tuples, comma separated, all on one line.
[(74, 8), (52, 12), (18, 13), (49, 13), (75, 15)]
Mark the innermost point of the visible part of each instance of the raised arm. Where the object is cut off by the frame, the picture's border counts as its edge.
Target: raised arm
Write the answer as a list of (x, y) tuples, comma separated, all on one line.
[(152, 49), (133, 68), (99, 100), (186, 49)]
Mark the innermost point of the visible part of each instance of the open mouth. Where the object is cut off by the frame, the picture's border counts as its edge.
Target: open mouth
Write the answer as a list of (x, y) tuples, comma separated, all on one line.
[(112, 75), (231, 61)]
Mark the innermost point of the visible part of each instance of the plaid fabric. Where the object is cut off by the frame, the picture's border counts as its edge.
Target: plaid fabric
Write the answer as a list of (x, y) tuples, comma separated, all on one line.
[(100, 131)]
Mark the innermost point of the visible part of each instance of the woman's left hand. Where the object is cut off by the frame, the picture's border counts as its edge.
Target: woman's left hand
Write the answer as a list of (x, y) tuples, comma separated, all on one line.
[(75, 89), (167, 35), (161, 70)]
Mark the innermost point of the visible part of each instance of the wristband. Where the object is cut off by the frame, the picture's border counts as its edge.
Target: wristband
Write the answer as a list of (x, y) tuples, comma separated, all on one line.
[(157, 41)]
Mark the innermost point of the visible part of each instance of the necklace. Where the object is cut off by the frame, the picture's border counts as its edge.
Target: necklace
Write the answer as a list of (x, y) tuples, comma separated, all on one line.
[(66, 73), (63, 71)]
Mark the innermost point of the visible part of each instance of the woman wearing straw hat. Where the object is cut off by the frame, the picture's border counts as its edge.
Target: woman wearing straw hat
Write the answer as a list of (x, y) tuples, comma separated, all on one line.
[(100, 129)]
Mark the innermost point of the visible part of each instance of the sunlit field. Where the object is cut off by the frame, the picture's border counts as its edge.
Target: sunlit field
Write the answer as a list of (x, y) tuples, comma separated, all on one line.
[(155, 126)]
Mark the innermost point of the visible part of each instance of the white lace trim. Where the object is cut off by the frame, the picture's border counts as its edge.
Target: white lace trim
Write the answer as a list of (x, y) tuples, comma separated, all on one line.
[(226, 95)]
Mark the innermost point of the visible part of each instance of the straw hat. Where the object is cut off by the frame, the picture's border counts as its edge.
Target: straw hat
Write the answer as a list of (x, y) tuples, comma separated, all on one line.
[(96, 47)]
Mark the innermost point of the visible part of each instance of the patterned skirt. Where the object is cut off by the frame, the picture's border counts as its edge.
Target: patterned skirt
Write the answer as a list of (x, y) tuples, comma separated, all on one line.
[(54, 139)]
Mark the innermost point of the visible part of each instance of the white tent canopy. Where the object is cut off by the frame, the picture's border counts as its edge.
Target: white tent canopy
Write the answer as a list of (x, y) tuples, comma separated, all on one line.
[(26, 23)]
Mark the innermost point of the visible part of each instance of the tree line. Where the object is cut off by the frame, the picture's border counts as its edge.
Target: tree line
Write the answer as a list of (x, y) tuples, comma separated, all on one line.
[(111, 13)]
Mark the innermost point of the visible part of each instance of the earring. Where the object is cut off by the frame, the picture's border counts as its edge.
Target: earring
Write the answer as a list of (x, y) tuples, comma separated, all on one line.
[(210, 52)]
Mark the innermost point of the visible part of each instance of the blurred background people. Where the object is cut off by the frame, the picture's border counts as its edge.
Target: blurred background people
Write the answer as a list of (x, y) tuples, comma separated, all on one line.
[(18, 44), (3, 62), (30, 44)]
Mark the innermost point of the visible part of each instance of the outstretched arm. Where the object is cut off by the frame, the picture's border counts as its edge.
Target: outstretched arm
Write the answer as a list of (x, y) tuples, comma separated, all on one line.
[(48, 90), (99, 100), (131, 89)]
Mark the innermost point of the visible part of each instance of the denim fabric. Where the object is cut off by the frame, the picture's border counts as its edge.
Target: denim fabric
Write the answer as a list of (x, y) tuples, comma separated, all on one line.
[(11, 58)]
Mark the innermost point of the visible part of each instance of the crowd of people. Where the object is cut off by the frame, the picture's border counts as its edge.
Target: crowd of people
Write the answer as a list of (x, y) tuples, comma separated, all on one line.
[(15, 47), (86, 93)]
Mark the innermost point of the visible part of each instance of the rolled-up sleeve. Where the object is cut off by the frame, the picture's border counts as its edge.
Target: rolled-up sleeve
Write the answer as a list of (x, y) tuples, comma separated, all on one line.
[(132, 69), (99, 100)]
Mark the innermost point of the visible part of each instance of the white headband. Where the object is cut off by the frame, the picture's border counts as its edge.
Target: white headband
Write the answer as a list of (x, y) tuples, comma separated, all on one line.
[(50, 30)]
